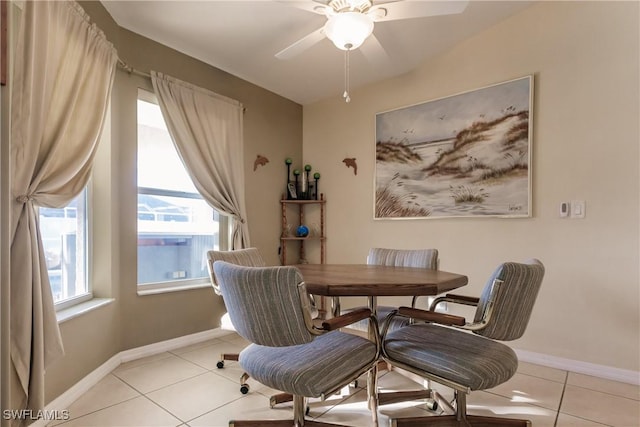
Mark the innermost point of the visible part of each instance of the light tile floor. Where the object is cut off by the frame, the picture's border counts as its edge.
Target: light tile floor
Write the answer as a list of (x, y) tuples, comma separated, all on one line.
[(183, 387)]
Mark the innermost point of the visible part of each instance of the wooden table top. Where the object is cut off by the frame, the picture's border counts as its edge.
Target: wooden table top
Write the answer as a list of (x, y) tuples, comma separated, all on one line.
[(377, 280)]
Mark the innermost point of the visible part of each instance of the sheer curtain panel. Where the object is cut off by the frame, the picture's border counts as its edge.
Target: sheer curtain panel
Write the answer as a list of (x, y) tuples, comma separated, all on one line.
[(63, 75), (207, 131)]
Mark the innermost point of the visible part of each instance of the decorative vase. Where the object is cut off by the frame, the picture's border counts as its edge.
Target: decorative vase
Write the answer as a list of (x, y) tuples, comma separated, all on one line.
[(302, 231), (316, 176), (307, 191), (296, 174), (287, 190)]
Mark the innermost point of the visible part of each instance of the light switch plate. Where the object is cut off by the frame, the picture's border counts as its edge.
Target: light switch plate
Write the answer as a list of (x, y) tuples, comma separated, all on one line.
[(578, 208)]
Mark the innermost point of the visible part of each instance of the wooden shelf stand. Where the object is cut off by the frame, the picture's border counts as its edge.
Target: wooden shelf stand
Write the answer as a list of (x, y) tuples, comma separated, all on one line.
[(288, 234)]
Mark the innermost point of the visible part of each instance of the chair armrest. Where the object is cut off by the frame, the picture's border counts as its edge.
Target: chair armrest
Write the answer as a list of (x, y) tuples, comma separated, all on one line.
[(432, 316), (345, 319), (455, 299), (463, 298)]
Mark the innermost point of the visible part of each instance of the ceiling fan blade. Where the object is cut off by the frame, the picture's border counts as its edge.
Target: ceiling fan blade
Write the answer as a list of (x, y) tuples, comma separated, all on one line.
[(374, 52), (301, 45), (319, 7), (406, 9)]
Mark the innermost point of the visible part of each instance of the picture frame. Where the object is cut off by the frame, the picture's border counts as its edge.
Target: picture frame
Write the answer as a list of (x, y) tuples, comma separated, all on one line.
[(293, 195), (465, 155)]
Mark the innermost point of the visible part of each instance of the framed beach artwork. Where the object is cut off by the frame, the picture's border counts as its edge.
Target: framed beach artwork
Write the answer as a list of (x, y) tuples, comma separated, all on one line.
[(466, 155)]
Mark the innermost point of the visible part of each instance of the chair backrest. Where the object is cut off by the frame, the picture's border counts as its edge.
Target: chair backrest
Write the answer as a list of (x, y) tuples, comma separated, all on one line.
[(422, 258), (249, 257), (509, 295), (267, 305)]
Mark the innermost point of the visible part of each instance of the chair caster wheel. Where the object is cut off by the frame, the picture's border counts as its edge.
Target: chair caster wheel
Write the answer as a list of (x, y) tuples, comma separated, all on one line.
[(220, 364), (432, 405), (355, 383), (244, 388), (306, 412)]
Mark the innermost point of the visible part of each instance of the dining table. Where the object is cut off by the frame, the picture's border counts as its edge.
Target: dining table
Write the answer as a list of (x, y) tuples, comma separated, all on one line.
[(372, 281)]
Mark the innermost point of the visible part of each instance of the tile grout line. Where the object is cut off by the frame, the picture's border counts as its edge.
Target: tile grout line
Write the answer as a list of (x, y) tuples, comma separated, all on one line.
[(165, 409), (611, 394), (140, 394), (564, 388), (213, 410)]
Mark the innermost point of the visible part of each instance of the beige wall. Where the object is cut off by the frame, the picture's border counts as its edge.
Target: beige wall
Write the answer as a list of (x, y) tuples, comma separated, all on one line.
[(272, 128), (584, 56), (585, 61)]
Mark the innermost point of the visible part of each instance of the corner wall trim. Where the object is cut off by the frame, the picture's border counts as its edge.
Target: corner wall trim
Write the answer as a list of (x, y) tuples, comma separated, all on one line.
[(172, 344), (81, 387), (579, 367)]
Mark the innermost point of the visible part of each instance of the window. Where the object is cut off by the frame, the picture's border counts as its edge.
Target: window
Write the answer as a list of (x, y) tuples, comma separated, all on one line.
[(64, 238), (176, 227)]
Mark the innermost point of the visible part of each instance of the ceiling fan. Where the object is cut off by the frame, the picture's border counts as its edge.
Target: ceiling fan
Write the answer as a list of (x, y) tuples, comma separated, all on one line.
[(350, 22)]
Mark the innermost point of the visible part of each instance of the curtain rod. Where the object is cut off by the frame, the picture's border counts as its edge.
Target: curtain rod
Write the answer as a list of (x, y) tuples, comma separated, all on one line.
[(129, 69)]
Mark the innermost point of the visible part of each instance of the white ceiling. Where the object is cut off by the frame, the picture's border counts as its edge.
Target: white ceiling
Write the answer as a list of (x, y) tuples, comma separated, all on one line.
[(242, 37)]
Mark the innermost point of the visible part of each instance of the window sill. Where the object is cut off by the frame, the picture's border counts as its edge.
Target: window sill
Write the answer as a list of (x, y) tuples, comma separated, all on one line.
[(82, 308), (165, 288)]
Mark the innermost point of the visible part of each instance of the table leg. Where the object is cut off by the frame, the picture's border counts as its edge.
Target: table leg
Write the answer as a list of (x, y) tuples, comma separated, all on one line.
[(373, 303), (335, 306), (372, 376)]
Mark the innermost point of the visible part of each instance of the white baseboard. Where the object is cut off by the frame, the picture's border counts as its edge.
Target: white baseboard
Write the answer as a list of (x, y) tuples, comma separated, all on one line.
[(77, 390), (579, 367), (172, 344), (81, 387)]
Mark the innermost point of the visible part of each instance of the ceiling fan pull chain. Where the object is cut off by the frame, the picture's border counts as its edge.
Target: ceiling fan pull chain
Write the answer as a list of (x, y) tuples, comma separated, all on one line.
[(345, 95)]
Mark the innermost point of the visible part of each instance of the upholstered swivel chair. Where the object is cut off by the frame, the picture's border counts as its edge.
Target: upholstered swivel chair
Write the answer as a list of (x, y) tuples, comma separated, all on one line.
[(269, 307), (419, 258), (249, 257), (467, 356)]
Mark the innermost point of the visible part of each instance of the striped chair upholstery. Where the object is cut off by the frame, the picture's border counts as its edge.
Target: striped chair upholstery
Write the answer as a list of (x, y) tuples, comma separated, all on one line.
[(471, 361), (263, 305), (269, 307), (249, 257), (512, 304), (420, 258), (460, 357)]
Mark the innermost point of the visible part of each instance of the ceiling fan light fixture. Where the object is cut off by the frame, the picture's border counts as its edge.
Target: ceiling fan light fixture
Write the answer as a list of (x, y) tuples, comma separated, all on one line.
[(348, 30), (350, 5)]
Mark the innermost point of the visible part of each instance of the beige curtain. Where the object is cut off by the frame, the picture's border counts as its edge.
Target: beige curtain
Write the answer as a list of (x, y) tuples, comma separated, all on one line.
[(64, 70), (207, 131)]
